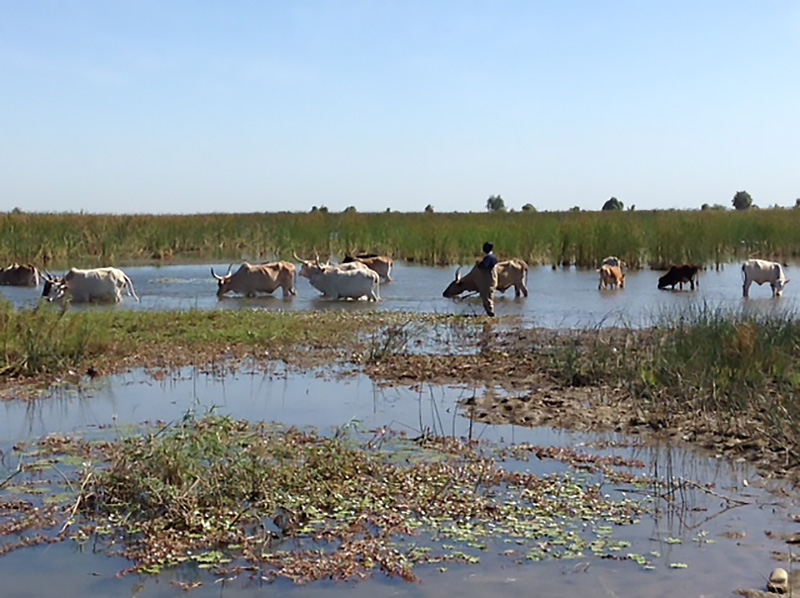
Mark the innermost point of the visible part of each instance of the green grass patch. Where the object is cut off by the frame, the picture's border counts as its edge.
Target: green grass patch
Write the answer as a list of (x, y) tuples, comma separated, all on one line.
[(49, 341), (731, 371)]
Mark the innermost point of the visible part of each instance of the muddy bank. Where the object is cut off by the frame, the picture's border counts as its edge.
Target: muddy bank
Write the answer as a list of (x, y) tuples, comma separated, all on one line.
[(536, 377)]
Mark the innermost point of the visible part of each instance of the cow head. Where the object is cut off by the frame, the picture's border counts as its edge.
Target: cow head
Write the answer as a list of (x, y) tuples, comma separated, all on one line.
[(222, 281), (54, 287), (310, 268), (780, 282), (455, 288)]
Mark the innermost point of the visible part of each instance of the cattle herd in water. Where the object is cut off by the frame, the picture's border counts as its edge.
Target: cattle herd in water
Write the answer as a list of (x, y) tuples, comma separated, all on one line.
[(356, 277)]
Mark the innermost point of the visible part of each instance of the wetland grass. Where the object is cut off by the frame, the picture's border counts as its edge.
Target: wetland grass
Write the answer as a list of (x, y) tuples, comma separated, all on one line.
[(49, 341), (641, 238), (273, 502), (732, 374)]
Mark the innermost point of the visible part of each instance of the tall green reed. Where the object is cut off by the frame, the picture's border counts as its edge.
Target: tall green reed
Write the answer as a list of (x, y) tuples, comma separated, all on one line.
[(735, 368), (641, 238)]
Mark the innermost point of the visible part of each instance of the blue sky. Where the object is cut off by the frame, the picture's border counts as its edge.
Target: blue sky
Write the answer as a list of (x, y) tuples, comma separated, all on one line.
[(184, 106)]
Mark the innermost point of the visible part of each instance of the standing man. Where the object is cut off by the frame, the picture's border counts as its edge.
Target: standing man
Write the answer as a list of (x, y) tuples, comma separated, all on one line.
[(488, 278)]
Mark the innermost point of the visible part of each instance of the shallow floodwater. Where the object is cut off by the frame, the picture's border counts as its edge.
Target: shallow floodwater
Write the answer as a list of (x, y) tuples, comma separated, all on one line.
[(561, 298), (691, 533)]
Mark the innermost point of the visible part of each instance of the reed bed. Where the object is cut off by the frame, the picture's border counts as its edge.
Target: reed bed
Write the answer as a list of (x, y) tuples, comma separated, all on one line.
[(641, 238), (734, 374)]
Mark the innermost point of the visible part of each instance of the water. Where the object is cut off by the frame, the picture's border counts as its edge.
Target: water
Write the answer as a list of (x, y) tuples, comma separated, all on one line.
[(562, 298), (125, 401)]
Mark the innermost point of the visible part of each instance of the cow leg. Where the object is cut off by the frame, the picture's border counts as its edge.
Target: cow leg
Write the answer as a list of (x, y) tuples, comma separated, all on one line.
[(746, 288)]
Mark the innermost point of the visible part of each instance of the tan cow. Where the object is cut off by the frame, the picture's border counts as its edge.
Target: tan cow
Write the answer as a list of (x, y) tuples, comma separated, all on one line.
[(379, 263), (513, 272), (611, 277), (250, 279)]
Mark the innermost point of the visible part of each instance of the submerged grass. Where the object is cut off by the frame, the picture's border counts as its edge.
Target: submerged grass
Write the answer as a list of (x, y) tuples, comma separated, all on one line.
[(641, 238)]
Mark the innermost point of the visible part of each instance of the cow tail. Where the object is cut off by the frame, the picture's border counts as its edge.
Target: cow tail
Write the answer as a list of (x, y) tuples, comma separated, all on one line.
[(129, 282)]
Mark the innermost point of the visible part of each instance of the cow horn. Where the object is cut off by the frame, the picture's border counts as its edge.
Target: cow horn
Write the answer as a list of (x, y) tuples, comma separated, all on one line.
[(230, 269), (214, 274), (298, 258), (457, 273)]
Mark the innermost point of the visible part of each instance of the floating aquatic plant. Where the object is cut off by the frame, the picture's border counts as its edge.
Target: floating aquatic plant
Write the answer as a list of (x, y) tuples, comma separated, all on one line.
[(232, 496)]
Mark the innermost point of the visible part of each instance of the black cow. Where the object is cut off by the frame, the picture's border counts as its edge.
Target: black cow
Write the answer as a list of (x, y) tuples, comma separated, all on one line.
[(678, 275)]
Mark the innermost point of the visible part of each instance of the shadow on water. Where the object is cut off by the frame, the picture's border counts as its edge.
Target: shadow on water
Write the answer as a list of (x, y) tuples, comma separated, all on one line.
[(706, 513)]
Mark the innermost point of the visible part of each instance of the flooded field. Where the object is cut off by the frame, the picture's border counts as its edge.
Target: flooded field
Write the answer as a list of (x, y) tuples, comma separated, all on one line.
[(562, 298), (701, 524), (703, 533)]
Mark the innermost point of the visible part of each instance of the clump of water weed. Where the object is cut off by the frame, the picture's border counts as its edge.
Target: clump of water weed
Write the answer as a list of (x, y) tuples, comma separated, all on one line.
[(234, 497)]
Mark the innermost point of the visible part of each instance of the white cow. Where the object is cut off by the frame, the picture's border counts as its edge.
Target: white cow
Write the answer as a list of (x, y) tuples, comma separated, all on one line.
[(96, 284), (346, 281), (761, 271)]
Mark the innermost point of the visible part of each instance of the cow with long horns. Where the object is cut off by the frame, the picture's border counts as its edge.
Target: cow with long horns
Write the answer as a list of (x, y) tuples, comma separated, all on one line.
[(251, 279), (345, 281), (94, 284)]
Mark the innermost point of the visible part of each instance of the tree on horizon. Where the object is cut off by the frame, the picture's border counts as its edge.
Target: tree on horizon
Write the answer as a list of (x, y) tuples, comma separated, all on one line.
[(495, 203), (742, 200)]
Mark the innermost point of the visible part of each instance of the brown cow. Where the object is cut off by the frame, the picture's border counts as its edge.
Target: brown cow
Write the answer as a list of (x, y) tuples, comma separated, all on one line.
[(678, 275), (611, 277), (262, 278), (513, 272), (20, 276), (379, 263)]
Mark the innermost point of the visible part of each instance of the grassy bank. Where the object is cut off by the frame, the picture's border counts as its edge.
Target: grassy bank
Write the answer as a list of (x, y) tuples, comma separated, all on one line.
[(643, 239), (722, 378), (47, 341)]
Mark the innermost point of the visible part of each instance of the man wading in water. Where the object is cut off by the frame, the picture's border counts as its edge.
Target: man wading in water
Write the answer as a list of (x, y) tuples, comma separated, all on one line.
[(488, 279)]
